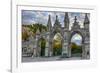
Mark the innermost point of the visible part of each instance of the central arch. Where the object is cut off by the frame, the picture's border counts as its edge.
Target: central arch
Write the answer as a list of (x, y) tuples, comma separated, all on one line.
[(57, 44)]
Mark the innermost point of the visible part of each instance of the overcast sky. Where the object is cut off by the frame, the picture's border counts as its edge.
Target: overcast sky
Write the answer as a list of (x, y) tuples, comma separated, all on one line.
[(31, 17), (77, 39)]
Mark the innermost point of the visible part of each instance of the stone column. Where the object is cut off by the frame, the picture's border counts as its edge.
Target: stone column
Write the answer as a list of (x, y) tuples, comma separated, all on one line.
[(37, 45), (88, 51), (50, 44), (47, 49), (85, 48), (83, 52), (65, 43), (46, 45), (65, 48), (70, 37), (50, 48), (69, 50)]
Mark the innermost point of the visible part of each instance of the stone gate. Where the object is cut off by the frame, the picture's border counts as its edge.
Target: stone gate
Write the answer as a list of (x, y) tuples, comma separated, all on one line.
[(66, 34)]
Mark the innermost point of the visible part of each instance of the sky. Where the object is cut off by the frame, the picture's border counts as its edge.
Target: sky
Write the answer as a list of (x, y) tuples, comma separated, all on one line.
[(77, 39), (31, 17)]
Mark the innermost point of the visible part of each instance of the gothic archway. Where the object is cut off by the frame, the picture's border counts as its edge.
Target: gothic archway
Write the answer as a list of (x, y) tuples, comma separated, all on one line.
[(41, 46), (57, 44), (76, 44)]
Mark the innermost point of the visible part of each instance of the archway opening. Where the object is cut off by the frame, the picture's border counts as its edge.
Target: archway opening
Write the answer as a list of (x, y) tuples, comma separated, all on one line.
[(42, 46), (57, 44), (76, 45)]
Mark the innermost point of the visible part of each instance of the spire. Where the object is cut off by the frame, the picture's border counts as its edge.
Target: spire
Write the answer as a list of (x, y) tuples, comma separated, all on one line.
[(86, 20), (75, 24), (75, 20), (66, 20), (49, 25), (57, 23)]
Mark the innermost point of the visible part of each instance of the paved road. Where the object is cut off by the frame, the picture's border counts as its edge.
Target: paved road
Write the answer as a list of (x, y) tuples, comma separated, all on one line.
[(41, 59)]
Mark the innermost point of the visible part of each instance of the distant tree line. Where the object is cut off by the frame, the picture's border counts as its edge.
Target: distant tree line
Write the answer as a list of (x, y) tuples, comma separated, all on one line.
[(34, 28), (76, 48)]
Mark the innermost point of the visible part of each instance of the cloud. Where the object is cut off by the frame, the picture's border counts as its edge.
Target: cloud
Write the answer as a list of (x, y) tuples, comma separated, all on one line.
[(31, 16), (77, 39)]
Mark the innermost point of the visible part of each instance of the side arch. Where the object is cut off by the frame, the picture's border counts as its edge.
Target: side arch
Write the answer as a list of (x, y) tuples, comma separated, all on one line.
[(78, 32), (72, 33)]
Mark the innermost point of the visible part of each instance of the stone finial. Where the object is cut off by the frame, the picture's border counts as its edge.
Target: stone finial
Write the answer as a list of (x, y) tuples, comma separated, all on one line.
[(66, 20), (57, 23), (75, 19), (49, 24), (86, 20), (75, 24)]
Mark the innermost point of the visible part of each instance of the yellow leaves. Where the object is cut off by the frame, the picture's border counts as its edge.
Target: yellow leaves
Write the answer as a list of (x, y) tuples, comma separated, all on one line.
[(57, 41), (25, 34), (57, 37), (74, 46), (57, 44)]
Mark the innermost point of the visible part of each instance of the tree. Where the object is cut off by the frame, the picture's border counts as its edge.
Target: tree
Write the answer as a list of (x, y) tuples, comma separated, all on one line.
[(43, 45), (76, 48), (25, 34)]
